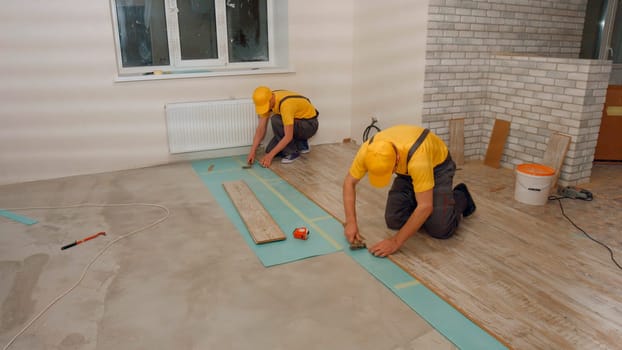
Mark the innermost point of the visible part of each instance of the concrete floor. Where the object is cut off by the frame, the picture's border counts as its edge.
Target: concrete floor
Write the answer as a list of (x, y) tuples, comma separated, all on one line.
[(188, 282)]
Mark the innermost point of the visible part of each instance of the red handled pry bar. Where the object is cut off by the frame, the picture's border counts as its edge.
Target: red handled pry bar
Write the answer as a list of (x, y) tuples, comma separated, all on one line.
[(83, 240)]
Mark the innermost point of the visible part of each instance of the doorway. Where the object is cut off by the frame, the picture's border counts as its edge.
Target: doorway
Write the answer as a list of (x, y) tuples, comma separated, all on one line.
[(602, 39), (609, 143)]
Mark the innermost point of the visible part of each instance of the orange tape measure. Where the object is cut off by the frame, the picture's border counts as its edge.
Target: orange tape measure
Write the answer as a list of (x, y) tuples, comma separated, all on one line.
[(301, 233)]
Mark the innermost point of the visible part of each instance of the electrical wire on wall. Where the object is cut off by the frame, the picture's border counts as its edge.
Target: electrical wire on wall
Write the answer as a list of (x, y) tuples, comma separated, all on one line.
[(559, 200), (371, 129), (88, 266)]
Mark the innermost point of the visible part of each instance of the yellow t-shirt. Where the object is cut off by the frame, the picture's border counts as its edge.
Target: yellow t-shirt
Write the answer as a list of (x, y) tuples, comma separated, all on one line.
[(294, 107), (430, 153)]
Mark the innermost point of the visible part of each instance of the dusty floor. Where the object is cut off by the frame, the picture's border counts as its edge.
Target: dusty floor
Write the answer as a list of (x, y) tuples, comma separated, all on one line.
[(175, 274)]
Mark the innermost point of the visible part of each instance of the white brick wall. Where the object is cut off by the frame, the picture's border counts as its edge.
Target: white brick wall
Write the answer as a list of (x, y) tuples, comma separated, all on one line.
[(570, 103), (514, 60)]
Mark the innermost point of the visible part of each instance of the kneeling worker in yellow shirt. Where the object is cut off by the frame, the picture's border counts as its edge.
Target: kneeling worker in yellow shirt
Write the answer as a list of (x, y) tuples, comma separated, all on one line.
[(421, 194), (294, 120)]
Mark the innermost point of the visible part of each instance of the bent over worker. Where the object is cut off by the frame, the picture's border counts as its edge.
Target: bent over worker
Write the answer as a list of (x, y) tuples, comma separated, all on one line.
[(421, 194), (294, 120)]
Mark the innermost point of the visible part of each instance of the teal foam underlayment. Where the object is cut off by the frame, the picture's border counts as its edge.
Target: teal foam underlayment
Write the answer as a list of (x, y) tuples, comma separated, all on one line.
[(285, 204), (22, 219), (291, 209)]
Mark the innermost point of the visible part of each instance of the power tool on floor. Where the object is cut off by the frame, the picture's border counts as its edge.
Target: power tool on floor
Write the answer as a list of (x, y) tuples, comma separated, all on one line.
[(575, 193)]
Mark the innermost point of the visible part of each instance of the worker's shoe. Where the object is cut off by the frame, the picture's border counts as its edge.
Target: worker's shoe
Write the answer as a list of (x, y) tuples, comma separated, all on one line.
[(303, 146), (290, 158), (470, 208)]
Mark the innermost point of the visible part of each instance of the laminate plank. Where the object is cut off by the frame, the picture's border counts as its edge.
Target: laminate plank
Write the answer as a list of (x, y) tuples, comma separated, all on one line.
[(554, 155), (494, 152), (456, 140), (258, 221)]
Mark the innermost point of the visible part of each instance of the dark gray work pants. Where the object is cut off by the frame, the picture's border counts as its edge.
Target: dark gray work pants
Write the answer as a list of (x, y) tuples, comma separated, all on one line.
[(448, 204), (303, 130)]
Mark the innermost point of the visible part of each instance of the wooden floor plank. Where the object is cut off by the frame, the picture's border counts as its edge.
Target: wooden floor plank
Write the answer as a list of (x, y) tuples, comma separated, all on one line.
[(258, 221), (456, 140), (494, 152), (554, 155), (522, 272)]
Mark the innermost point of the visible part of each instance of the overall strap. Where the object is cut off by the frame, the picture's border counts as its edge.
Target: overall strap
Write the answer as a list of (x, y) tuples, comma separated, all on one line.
[(413, 148), (416, 145), (291, 96)]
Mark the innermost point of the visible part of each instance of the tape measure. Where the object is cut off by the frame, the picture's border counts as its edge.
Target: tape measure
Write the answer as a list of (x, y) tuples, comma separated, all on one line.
[(301, 233)]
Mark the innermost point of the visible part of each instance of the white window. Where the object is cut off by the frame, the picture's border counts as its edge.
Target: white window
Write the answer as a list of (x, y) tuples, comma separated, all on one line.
[(199, 36)]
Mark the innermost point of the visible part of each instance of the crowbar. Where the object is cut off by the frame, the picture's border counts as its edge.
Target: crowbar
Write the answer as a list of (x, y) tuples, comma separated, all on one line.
[(83, 240)]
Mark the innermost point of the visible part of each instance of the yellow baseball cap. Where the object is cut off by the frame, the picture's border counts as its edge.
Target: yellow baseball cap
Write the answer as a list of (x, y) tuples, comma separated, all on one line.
[(380, 162), (261, 98)]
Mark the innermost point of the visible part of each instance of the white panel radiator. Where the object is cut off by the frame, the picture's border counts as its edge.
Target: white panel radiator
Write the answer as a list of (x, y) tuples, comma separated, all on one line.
[(210, 125)]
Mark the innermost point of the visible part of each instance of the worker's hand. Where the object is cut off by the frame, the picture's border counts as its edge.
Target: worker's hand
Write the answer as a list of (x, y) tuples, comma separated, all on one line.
[(351, 231), (251, 158), (384, 248), (266, 161)]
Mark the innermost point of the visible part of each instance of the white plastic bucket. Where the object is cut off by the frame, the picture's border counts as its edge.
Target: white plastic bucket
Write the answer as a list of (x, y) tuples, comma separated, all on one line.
[(533, 183)]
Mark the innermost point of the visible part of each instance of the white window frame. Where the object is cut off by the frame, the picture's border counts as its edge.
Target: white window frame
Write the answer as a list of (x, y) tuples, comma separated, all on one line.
[(178, 68), (175, 46)]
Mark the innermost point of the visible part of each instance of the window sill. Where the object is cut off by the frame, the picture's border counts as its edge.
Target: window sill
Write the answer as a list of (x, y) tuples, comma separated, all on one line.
[(159, 75)]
